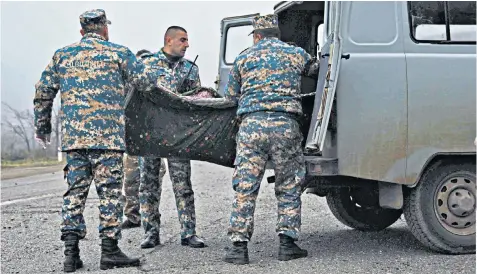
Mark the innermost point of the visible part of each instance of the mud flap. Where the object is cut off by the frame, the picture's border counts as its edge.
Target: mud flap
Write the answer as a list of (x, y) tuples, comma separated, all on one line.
[(390, 195)]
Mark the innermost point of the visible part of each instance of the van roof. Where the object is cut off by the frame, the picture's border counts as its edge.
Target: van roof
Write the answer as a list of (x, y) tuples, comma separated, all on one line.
[(279, 4), (282, 5)]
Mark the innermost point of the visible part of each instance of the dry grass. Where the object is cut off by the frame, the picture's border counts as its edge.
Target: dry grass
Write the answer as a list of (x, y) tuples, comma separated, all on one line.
[(31, 163)]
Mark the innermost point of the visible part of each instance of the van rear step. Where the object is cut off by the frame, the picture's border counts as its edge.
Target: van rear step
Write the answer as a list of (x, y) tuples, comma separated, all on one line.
[(320, 166), (316, 166)]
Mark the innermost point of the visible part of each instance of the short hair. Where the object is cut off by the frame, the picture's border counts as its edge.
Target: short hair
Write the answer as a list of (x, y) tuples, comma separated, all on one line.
[(97, 31), (268, 32), (172, 29), (141, 52)]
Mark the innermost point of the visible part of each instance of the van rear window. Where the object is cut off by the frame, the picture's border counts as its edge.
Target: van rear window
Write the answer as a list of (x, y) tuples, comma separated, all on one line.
[(443, 21)]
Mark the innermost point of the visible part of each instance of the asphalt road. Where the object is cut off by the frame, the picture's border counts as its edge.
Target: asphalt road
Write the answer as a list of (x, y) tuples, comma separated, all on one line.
[(30, 237)]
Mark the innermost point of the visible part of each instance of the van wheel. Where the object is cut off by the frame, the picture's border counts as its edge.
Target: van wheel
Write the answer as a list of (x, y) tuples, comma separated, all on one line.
[(440, 210), (359, 208)]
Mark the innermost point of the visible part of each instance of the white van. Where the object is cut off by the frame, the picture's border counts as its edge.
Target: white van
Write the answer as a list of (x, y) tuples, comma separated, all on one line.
[(392, 125)]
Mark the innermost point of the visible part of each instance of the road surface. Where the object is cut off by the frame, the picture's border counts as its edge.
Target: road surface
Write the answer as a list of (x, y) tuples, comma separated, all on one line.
[(30, 237)]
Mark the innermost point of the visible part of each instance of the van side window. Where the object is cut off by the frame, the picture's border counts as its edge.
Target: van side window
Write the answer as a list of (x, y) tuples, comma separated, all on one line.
[(443, 21), (237, 41)]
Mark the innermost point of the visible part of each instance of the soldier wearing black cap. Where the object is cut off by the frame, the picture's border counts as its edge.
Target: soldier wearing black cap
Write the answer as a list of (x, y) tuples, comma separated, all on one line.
[(91, 76)]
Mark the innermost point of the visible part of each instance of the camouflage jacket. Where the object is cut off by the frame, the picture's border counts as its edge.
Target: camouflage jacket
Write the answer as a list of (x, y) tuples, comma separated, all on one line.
[(170, 74), (91, 76), (267, 77)]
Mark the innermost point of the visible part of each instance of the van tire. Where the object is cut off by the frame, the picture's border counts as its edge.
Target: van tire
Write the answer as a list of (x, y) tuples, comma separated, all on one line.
[(343, 203), (424, 202)]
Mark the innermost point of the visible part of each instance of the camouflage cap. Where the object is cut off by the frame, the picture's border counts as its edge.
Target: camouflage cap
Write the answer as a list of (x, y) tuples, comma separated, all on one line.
[(93, 19), (269, 21)]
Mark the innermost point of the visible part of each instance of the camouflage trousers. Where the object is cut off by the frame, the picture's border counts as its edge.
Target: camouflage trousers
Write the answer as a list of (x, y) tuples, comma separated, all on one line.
[(264, 136), (131, 188), (150, 194), (105, 168)]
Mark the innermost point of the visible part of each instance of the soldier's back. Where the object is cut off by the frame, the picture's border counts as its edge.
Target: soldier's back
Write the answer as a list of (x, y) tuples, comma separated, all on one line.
[(271, 73), (90, 63), (92, 90)]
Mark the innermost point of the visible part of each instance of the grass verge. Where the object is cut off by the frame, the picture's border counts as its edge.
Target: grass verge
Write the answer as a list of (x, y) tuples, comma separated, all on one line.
[(31, 163)]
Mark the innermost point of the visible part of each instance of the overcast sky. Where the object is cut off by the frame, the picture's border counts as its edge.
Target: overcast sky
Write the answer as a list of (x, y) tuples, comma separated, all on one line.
[(32, 31)]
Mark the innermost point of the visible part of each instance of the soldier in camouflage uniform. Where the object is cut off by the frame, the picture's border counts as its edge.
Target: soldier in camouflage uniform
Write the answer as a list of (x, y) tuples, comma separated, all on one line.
[(179, 75), (132, 181), (91, 75), (265, 81)]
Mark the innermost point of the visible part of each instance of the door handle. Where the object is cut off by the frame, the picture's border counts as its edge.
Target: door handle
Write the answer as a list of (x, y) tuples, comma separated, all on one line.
[(343, 56)]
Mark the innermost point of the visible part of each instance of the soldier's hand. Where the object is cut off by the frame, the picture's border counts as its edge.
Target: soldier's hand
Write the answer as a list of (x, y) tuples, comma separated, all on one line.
[(314, 68), (43, 139)]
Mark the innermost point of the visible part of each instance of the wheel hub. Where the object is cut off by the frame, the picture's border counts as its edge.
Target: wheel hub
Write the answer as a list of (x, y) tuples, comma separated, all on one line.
[(455, 205), (461, 202)]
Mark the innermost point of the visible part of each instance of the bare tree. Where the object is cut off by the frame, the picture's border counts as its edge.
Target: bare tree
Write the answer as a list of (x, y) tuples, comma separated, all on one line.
[(22, 126), (55, 129)]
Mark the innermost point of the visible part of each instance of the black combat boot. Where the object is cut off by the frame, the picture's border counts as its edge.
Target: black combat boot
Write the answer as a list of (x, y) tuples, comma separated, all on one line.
[(193, 241), (237, 254), (72, 253), (112, 256), (288, 250), (151, 239)]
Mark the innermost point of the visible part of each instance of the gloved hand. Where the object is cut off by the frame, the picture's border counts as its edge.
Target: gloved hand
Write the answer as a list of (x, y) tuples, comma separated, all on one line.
[(43, 139)]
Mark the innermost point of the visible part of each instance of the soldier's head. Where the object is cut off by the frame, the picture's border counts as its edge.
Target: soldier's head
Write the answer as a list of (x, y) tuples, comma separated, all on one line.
[(95, 21), (176, 41), (141, 52), (265, 26)]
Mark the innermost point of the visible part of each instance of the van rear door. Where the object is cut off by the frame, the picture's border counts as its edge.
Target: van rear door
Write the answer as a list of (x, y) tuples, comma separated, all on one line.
[(234, 40), (328, 76)]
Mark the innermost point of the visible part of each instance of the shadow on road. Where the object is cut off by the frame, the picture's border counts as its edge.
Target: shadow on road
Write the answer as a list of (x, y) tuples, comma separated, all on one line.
[(352, 242)]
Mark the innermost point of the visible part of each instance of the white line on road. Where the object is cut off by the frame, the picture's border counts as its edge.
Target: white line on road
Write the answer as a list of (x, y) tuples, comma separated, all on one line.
[(26, 199)]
